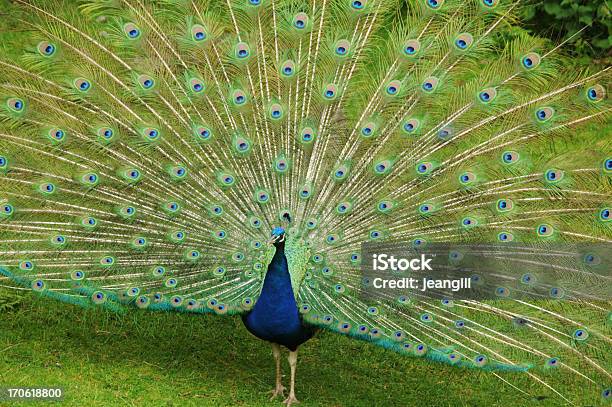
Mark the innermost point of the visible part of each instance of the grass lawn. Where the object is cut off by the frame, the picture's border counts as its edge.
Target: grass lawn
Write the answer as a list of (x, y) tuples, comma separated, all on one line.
[(167, 359)]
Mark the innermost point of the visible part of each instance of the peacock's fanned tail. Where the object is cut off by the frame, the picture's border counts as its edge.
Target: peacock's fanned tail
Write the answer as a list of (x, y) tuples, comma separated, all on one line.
[(147, 148)]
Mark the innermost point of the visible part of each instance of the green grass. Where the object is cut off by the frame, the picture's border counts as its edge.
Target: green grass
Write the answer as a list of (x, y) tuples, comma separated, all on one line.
[(166, 359)]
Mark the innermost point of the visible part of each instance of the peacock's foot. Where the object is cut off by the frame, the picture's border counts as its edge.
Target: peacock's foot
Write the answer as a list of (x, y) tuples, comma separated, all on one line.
[(278, 391), (291, 400)]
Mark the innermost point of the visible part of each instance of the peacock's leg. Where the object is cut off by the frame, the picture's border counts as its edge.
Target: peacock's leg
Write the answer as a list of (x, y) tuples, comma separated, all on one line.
[(279, 390), (293, 363)]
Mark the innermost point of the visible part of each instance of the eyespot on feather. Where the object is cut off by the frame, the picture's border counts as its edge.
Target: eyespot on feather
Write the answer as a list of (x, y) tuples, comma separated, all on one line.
[(544, 114), (504, 205), (505, 237), (276, 111), (358, 5), (203, 133), (342, 48), (434, 4), (300, 21), (6, 210), (150, 134), (463, 41), (82, 85), (383, 167), (171, 208), (393, 88), (225, 179), (596, 93), (411, 48), (262, 196), (553, 175), (467, 178), (127, 212), (46, 48), (241, 145), (445, 133), (509, 157), (15, 104), (368, 130), (131, 31), (106, 134), (305, 191), (198, 33), (530, 61), (307, 135), (196, 85), (56, 135), (281, 164), (424, 168), (47, 188), (287, 69), (146, 82), (411, 126), (487, 95), (489, 4), (239, 97), (544, 230), (242, 51), (430, 84), (330, 91), (90, 179)]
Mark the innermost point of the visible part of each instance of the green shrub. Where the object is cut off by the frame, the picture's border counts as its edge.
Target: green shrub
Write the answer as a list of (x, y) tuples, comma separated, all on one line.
[(561, 19)]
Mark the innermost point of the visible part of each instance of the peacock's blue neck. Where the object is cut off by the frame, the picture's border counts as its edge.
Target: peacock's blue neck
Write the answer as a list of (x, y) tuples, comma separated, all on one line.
[(277, 292)]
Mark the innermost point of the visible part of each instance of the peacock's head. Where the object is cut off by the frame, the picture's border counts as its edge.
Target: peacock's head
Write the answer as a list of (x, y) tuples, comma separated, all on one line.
[(278, 236)]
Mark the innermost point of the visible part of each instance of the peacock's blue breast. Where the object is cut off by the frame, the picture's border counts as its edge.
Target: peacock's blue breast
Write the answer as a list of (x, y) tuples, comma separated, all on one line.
[(275, 316)]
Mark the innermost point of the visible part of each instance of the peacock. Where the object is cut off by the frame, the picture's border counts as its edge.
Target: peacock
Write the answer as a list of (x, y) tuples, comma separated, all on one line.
[(240, 157)]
